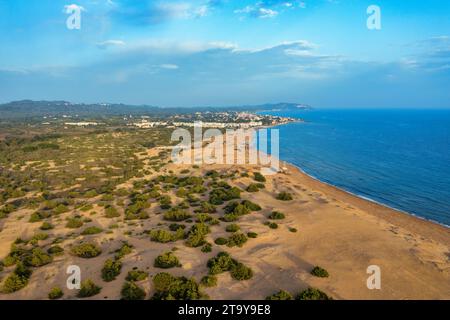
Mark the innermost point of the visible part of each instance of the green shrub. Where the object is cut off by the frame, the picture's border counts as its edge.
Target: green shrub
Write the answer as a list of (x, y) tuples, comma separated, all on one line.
[(207, 207), (46, 226), (91, 230), (276, 215), (259, 177), (221, 263), (111, 269), (230, 217), (237, 239), (232, 228), (131, 291), (18, 279), (86, 250), (167, 260), (176, 214), (9, 261), (176, 226), (55, 293), (209, 281), (312, 294), (252, 188), (207, 248), (280, 295), (60, 209), (123, 250), (74, 223), (293, 230), (196, 236), (319, 272), (252, 234), (14, 283), (169, 287), (37, 258), (55, 250), (136, 275), (236, 208), (220, 195), (165, 236), (284, 196), (241, 272), (251, 205), (88, 289), (111, 212), (40, 236), (271, 225), (203, 217), (221, 241)]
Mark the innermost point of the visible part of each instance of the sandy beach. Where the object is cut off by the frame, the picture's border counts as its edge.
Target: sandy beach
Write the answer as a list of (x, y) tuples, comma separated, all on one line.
[(338, 231)]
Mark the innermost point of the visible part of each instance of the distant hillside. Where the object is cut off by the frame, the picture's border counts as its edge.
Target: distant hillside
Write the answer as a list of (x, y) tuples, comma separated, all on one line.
[(29, 109)]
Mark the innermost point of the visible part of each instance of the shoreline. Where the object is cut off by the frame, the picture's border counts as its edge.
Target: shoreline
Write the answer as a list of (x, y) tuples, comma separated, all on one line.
[(416, 224), (366, 198)]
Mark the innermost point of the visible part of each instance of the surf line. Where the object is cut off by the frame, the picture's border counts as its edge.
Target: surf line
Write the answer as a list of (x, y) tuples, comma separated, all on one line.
[(189, 310)]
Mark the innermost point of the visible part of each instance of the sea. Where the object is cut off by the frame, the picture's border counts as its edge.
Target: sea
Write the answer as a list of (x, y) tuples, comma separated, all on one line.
[(396, 157)]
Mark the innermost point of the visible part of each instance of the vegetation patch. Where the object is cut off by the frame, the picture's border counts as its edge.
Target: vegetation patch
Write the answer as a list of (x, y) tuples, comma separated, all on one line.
[(86, 250), (167, 260)]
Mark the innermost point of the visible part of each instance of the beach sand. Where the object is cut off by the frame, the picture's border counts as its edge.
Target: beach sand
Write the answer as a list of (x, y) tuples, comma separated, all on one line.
[(336, 230)]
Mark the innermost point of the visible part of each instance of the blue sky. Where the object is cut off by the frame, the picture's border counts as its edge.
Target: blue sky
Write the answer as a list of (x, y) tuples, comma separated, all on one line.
[(225, 52)]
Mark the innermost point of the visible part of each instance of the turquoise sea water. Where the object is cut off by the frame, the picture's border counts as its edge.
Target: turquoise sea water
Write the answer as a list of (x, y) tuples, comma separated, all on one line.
[(400, 158)]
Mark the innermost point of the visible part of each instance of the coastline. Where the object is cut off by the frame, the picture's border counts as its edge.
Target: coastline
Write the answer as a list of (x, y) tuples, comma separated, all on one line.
[(431, 229)]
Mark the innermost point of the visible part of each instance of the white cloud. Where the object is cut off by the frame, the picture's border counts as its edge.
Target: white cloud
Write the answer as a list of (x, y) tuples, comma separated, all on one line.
[(110, 43), (169, 66)]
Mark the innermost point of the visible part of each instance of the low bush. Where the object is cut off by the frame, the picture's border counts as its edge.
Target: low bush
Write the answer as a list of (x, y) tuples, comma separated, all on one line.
[(111, 212), (111, 269), (284, 196), (86, 250), (280, 295), (319, 272), (176, 214), (221, 263), (252, 234), (241, 272), (37, 258), (176, 226), (164, 236), (293, 230), (196, 236), (55, 293), (276, 215), (207, 248), (167, 260), (17, 280), (232, 228), (252, 188), (131, 291), (271, 225), (209, 281), (259, 177), (237, 240), (55, 250), (88, 289), (251, 205), (123, 250), (169, 287), (14, 283), (46, 226), (312, 294), (74, 223), (136, 275), (91, 230), (221, 241)]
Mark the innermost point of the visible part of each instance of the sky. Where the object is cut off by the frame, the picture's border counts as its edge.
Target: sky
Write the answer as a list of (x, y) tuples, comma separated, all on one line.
[(223, 52)]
